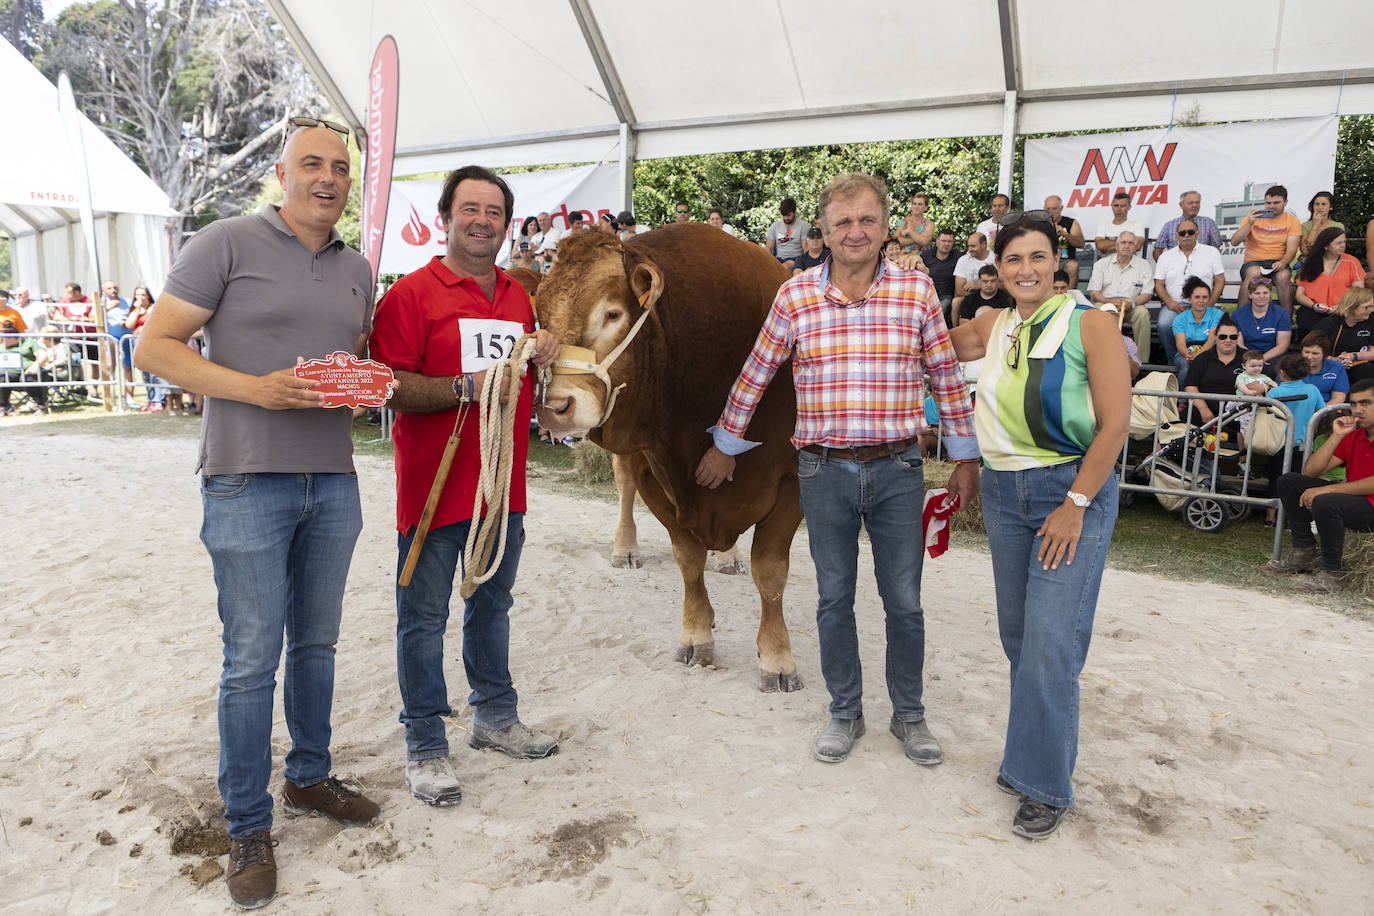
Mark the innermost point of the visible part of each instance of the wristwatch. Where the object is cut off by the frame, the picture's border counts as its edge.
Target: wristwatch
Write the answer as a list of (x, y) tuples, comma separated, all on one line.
[(1078, 499), (462, 390)]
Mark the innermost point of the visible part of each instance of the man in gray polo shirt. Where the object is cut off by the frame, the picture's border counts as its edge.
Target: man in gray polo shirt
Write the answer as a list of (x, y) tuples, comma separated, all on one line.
[(282, 511)]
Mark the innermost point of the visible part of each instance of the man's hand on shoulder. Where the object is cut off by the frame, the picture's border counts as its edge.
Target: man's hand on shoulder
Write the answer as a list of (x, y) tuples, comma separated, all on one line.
[(714, 468), (282, 390)]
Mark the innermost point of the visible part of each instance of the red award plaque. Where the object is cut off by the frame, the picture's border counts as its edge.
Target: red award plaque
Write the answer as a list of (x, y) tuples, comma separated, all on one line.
[(346, 381)]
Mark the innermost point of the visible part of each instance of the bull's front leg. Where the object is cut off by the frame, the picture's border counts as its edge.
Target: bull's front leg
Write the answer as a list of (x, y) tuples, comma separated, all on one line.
[(625, 546), (696, 642)]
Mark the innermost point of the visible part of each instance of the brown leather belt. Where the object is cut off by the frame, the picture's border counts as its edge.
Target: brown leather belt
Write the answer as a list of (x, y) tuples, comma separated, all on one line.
[(862, 452)]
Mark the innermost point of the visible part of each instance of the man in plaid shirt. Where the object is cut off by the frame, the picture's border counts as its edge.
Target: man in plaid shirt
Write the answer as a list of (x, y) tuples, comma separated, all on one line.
[(862, 335)]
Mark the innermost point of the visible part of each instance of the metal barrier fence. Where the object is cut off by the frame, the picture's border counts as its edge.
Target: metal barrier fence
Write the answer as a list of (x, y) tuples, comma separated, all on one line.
[(1183, 464), (77, 370)]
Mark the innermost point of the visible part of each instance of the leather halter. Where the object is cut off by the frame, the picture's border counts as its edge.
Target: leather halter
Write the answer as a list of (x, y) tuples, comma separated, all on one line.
[(582, 361)]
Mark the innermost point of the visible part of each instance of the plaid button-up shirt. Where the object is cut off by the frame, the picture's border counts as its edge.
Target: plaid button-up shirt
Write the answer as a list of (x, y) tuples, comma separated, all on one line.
[(858, 367)]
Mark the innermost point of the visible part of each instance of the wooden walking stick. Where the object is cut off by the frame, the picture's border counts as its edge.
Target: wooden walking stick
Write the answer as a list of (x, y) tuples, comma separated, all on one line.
[(432, 503)]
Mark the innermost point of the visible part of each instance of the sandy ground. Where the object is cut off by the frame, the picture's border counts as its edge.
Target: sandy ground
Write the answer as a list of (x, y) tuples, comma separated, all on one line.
[(1224, 766)]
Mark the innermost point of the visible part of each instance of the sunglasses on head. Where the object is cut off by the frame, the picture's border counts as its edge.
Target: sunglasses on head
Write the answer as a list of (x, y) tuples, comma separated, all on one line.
[(301, 121), (1016, 216)]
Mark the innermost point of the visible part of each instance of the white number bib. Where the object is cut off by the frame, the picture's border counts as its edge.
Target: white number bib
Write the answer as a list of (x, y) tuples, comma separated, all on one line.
[(486, 340)]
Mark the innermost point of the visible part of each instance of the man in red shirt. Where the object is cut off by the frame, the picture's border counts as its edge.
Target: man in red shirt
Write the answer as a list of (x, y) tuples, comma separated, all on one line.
[(1335, 507), (439, 329)]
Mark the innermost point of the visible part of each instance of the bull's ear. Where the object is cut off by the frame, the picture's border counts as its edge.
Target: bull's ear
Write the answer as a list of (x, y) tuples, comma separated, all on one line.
[(646, 277)]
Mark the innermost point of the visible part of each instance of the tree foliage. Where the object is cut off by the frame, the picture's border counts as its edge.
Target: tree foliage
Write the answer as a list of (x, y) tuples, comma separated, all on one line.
[(1354, 190), (195, 91), (21, 24)]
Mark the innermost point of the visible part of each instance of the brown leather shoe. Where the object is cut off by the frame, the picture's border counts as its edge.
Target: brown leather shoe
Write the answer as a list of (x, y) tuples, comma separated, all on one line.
[(331, 798), (252, 875)]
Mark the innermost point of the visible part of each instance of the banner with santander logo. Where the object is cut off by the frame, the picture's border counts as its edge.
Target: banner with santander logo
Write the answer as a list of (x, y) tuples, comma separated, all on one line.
[(414, 232), (383, 95), (1231, 165)]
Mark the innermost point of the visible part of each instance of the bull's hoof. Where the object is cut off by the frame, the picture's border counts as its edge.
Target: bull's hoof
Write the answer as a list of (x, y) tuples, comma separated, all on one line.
[(730, 569), (771, 682), (627, 561), (703, 656)]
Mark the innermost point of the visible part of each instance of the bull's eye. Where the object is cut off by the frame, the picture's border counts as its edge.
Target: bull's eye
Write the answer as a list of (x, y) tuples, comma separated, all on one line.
[(613, 314)]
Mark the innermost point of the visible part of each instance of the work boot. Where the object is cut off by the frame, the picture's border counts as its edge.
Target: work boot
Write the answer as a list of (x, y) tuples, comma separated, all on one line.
[(919, 744), (433, 781), (332, 799), (517, 739), (1299, 560), (1036, 820), (1322, 581), (837, 739), (252, 874)]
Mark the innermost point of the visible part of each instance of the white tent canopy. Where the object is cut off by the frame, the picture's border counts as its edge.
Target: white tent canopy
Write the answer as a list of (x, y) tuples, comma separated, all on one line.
[(41, 191), (548, 81)]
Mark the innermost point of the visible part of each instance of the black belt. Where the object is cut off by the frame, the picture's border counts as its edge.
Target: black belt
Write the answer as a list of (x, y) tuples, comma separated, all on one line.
[(862, 452)]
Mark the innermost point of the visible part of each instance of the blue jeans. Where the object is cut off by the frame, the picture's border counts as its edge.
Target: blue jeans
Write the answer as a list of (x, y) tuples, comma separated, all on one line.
[(280, 545), (1165, 323), (422, 609), (885, 496), (1045, 618)]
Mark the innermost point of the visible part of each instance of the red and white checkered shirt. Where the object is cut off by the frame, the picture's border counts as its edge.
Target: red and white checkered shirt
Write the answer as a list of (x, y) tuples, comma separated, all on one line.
[(858, 366)]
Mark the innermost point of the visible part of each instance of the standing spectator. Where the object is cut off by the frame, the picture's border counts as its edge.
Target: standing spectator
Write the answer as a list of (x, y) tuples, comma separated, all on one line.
[(682, 212), (1270, 234), (916, 232), (1325, 374), (116, 312), (1001, 203), (77, 312), (282, 508), (940, 262), (1319, 218), (1189, 258), (1351, 332), (716, 217), (1190, 202), (784, 239), (33, 311), (1195, 330), (1310, 499), (1263, 325), (1109, 230), (139, 313), (1127, 283), (967, 267), (1327, 272), (814, 254), (1070, 238)]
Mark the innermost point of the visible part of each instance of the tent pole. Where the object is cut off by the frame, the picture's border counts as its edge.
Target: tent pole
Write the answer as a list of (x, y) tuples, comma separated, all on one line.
[(1009, 112), (627, 165)]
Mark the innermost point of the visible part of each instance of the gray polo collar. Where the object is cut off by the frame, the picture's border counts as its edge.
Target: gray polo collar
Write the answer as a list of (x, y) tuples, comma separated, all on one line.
[(271, 213)]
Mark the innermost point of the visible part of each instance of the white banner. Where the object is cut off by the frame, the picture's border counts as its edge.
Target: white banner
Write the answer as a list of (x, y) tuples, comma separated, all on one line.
[(1231, 165), (414, 232)]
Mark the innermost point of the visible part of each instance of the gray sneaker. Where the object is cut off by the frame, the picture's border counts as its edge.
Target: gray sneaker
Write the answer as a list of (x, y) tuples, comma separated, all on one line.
[(920, 745), (1299, 560), (433, 781), (837, 739), (517, 740), (1322, 581)]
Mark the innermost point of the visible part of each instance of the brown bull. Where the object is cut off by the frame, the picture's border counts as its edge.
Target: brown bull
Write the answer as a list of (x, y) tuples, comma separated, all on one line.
[(707, 295)]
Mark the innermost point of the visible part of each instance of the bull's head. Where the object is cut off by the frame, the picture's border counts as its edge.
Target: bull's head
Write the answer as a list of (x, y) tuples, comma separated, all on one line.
[(597, 298)]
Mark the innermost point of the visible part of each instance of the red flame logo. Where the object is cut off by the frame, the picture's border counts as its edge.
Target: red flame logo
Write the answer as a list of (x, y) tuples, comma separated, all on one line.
[(415, 232)]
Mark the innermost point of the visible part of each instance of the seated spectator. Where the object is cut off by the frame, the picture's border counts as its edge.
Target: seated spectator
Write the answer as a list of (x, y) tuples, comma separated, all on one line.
[(1264, 325), (1215, 371), (1320, 218), (1310, 500), (814, 252), (529, 236), (1060, 286), (784, 239), (1270, 234), (1325, 374), (577, 223), (1351, 332), (52, 356), (1070, 238), (682, 212), (1327, 272), (916, 232), (548, 236), (1109, 230), (1190, 205), (1195, 330), (940, 261), (966, 268), (716, 217), (523, 256), (1001, 203), (1252, 381), (1126, 282), (33, 311), (892, 250), (13, 316), (605, 223), (16, 358), (1292, 371), (988, 294), (625, 221), (1188, 257)]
